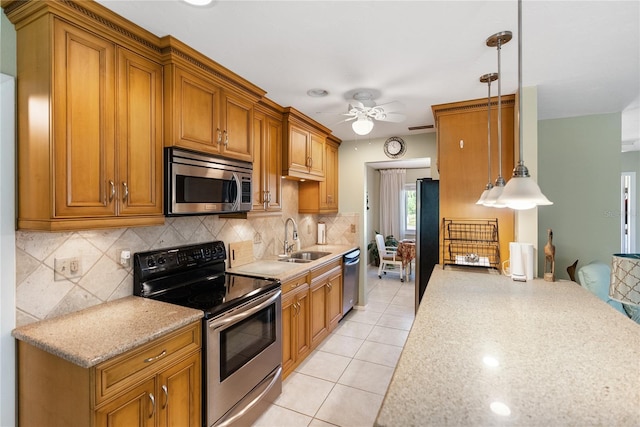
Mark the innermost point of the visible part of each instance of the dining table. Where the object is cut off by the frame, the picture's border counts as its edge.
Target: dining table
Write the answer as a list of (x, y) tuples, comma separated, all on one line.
[(407, 252)]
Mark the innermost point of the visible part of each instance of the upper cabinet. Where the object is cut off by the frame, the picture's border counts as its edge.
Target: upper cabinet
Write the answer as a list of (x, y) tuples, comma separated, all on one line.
[(304, 147), (267, 157), (462, 146), (322, 197), (207, 108), (89, 121)]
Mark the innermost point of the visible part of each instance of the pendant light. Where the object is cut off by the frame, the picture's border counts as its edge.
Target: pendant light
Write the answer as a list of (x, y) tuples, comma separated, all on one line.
[(488, 78), (522, 192), (497, 40)]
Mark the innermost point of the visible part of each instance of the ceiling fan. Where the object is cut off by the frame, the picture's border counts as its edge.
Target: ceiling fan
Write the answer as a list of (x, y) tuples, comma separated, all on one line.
[(363, 111)]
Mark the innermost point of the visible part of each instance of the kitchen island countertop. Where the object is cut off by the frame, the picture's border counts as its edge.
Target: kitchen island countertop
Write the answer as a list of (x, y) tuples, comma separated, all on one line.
[(98, 333), (485, 350)]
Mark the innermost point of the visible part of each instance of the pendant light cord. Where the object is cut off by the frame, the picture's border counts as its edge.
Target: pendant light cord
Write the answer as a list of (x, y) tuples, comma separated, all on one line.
[(520, 170)]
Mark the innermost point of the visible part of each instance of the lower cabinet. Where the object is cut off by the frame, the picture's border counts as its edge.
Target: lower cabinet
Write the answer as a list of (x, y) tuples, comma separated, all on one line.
[(311, 309), (155, 385), (296, 337)]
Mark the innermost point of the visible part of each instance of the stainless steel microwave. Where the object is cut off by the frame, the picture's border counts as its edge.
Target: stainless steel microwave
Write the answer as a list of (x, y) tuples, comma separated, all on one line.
[(200, 184)]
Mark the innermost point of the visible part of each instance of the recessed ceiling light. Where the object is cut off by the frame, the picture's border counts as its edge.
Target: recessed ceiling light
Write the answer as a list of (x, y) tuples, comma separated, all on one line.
[(198, 2), (317, 93)]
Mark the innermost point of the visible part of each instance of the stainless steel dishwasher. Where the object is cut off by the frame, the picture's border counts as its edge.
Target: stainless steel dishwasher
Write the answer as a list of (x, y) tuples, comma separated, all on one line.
[(350, 280)]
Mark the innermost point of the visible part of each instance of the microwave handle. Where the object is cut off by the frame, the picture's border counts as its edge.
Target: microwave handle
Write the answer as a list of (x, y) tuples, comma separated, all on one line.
[(236, 202)]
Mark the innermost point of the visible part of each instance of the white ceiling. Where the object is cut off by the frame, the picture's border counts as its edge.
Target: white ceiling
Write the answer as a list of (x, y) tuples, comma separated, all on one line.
[(584, 56)]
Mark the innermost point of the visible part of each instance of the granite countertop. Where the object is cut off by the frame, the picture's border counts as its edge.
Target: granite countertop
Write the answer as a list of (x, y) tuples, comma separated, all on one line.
[(272, 268), (98, 333), (549, 353)]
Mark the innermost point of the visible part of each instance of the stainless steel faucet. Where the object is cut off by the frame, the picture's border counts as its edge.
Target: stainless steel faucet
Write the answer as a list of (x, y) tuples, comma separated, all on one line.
[(288, 248)]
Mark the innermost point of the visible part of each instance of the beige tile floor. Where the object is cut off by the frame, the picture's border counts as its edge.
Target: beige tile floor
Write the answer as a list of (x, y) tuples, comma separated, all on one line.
[(342, 383)]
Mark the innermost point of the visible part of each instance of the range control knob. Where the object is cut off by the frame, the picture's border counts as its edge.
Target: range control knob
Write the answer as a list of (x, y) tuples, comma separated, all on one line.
[(161, 260), (151, 262)]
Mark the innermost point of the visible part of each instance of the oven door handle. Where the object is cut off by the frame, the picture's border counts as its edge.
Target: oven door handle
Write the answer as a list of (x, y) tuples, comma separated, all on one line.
[(236, 202), (232, 415), (244, 314)]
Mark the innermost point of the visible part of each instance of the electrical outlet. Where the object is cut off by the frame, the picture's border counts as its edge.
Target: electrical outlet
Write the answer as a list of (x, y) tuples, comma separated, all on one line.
[(66, 268), (257, 238), (353, 228)]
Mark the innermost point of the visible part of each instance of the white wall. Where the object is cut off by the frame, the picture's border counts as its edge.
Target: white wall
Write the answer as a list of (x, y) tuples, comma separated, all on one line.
[(7, 250)]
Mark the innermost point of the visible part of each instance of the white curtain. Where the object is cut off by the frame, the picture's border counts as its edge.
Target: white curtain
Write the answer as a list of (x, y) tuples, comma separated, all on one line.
[(391, 202)]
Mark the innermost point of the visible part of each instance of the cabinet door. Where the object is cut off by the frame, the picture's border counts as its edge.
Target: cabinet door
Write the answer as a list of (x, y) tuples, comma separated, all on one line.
[(259, 196), (136, 408), (288, 333), (83, 123), (139, 112), (196, 112), (329, 187), (299, 140), (316, 154), (273, 164), (334, 301), (303, 331), (318, 312), (179, 397), (236, 130)]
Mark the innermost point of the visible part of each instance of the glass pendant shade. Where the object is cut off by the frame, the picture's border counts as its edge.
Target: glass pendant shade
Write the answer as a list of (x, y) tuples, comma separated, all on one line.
[(522, 192), (493, 196), (362, 126), (484, 195)]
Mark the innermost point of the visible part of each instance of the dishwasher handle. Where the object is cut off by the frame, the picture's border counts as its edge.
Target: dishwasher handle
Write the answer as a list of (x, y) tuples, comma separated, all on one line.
[(352, 258)]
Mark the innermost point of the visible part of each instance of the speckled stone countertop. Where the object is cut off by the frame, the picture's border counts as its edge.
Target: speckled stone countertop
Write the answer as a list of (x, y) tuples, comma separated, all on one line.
[(98, 333), (272, 268), (547, 353)]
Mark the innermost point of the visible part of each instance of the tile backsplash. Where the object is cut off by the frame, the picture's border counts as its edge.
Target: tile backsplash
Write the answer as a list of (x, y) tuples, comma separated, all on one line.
[(101, 278)]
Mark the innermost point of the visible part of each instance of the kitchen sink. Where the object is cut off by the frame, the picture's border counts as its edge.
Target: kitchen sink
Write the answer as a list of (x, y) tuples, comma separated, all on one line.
[(309, 255), (296, 260)]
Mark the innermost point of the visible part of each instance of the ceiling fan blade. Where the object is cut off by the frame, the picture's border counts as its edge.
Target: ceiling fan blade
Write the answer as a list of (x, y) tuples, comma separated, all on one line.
[(346, 120), (393, 118), (391, 107)]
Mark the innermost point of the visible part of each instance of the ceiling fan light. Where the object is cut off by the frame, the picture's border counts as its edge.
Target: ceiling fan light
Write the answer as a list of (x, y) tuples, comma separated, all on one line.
[(198, 2), (362, 126), (522, 192)]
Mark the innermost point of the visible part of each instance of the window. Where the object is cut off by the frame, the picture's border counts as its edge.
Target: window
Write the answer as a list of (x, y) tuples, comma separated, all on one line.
[(410, 208)]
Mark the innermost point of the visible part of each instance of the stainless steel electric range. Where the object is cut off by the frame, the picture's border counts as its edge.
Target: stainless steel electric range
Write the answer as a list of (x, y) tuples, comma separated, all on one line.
[(242, 340)]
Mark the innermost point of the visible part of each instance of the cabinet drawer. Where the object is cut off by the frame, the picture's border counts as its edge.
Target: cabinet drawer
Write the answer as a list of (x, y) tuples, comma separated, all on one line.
[(294, 283), (136, 365), (319, 271)]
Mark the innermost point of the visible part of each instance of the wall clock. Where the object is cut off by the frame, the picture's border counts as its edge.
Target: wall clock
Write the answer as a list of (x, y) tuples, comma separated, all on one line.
[(395, 147)]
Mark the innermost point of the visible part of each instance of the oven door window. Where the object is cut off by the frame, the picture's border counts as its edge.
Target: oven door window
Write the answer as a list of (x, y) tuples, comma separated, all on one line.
[(195, 189), (246, 339)]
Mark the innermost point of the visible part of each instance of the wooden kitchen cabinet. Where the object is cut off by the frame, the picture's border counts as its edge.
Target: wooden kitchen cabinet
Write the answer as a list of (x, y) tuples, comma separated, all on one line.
[(155, 385), (89, 124), (462, 161), (267, 157), (304, 147), (296, 336), (322, 197), (326, 300), (207, 107)]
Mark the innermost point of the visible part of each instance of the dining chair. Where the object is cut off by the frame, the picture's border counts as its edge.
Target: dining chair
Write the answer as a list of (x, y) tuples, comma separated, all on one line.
[(390, 261)]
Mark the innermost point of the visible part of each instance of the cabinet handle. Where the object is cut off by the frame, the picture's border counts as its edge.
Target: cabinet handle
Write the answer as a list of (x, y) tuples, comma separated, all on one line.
[(153, 405), (269, 196), (226, 138), (113, 190), (310, 161), (154, 358), (166, 396), (219, 136), (126, 191)]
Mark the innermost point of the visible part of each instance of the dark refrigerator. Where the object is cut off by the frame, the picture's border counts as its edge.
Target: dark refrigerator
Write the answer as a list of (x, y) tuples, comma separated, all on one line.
[(427, 232)]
